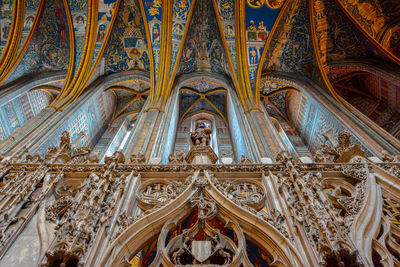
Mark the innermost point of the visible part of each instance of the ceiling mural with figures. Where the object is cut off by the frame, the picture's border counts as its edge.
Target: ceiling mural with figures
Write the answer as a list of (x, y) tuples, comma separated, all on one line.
[(305, 39), (153, 9), (290, 49), (203, 49), (260, 18), (6, 16), (127, 48), (49, 47), (379, 19), (181, 9), (78, 9)]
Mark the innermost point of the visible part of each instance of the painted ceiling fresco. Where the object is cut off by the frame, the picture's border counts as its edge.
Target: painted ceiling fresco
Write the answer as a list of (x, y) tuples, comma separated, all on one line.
[(202, 86), (31, 10), (274, 96), (226, 15), (203, 49), (49, 47), (181, 10), (291, 48), (153, 9), (193, 101), (203, 38), (379, 19), (260, 18), (6, 12), (130, 97), (338, 39), (127, 48), (106, 11)]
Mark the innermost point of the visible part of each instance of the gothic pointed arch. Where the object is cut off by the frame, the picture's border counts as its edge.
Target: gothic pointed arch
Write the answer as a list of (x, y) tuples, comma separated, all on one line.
[(207, 203)]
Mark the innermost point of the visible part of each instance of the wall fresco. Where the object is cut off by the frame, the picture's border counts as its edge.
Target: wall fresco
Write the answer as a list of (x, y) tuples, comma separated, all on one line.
[(18, 111), (6, 14), (312, 120), (91, 118)]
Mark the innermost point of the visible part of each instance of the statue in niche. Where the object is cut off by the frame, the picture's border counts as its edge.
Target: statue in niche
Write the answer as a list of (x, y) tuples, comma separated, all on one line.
[(201, 136)]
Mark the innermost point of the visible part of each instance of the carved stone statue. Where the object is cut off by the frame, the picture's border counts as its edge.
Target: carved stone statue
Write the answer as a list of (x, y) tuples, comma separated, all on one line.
[(342, 150), (201, 136)]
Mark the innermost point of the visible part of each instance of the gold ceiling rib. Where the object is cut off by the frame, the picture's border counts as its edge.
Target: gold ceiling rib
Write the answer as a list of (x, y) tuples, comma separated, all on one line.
[(165, 54), (10, 51)]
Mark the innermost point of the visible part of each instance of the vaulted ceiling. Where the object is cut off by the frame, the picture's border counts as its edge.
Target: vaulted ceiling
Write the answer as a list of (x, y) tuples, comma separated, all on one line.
[(249, 42)]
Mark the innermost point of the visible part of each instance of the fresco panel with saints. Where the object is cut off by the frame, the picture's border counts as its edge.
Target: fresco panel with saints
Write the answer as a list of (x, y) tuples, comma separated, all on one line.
[(153, 10), (181, 11), (127, 47), (260, 17)]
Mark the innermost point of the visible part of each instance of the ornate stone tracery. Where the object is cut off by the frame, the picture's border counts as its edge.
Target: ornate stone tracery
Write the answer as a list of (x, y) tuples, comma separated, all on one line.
[(320, 204)]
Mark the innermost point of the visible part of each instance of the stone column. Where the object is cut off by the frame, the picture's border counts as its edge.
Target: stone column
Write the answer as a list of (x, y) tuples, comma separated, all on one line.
[(166, 134), (268, 139), (143, 136), (261, 139)]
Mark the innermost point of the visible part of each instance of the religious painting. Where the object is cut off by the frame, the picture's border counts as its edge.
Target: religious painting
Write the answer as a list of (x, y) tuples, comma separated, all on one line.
[(101, 33), (28, 22), (106, 9), (177, 30), (5, 28), (253, 56), (155, 33)]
